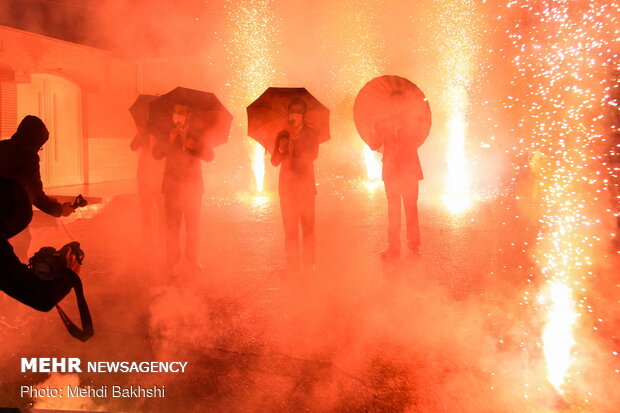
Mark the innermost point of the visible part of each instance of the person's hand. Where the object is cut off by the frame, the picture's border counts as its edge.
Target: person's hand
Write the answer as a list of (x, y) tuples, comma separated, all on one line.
[(191, 144), (293, 131), (283, 146), (67, 209), (72, 262), (174, 133)]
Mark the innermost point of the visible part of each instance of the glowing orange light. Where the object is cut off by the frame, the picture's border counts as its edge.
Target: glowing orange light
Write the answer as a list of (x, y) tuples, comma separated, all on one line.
[(360, 59), (373, 169), (261, 200), (457, 196), (561, 67), (253, 27), (86, 212), (459, 26), (258, 166), (557, 335)]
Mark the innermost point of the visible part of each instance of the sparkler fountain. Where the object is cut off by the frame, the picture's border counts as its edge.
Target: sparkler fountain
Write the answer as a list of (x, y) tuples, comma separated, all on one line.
[(251, 48), (457, 42), (563, 57), (360, 52)]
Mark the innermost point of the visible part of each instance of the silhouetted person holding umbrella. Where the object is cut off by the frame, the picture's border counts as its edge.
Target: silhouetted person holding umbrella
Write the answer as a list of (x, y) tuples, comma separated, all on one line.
[(19, 159), (148, 179), (401, 175), (296, 148), (182, 183), (392, 113)]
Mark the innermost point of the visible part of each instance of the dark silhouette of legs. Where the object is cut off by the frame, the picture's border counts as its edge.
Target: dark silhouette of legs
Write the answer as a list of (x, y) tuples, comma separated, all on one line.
[(290, 219), (174, 212), (410, 202), (307, 230), (394, 204), (191, 212), (147, 204)]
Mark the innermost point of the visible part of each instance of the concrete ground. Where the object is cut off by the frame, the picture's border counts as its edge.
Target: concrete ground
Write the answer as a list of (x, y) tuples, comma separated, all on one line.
[(448, 331)]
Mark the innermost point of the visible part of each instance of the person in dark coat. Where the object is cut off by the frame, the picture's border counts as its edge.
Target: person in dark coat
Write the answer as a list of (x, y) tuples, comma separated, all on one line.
[(19, 159), (16, 279), (296, 148), (182, 184), (401, 174), (148, 179)]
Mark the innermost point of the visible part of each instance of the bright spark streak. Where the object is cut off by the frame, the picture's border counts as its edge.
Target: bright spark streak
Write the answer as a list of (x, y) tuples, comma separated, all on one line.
[(251, 50), (558, 333), (457, 41), (563, 56), (361, 50), (373, 169), (456, 196), (258, 166)]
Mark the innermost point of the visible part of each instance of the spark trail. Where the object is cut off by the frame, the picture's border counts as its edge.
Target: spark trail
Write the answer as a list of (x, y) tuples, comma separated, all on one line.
[(457, 42), (563, 54), (251, 49)]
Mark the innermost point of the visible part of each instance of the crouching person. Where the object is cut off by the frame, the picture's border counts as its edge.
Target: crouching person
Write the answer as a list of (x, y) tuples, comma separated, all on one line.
[(27, 286)]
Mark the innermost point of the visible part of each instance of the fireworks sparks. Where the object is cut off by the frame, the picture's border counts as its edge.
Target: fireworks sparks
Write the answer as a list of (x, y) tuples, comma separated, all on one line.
[(258, 166), (457, 197), (251, 50), (360, 48), (563, 58), (360, 60), (557, 334), (373, 169), (457, 42)]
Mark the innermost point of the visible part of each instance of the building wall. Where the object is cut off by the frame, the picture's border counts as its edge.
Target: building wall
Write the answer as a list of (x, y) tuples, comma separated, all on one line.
[(108, 85)]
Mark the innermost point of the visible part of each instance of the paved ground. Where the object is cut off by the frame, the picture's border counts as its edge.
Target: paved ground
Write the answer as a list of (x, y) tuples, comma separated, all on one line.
[(446, 332)]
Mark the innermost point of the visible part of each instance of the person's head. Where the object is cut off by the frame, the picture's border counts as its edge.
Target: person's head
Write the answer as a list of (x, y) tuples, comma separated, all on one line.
[(297, 109), (31, 132), (15, 208), (180, 114)]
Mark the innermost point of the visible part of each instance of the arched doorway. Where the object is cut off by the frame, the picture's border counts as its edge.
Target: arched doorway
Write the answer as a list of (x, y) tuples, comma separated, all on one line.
[(57, 101)]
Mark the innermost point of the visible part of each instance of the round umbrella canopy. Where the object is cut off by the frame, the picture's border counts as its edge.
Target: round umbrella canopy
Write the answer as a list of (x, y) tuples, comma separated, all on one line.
[(268, 115), (140, 110), (207, 113), (375, 106)]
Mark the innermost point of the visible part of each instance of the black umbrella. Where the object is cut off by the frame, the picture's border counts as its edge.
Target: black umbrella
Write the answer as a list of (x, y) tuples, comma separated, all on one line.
[(214, 119), (140, 110), (268, 114)]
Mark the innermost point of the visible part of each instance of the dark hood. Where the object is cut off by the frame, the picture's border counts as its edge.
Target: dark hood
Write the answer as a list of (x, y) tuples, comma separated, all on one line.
[(31, 132)]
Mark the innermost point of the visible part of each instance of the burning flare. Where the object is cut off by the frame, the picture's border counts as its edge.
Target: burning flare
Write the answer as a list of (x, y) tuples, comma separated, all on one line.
[(373, 169), (557, 335), (457, 196), (253, 27), (562, 56), (258, 166), (457, 40)]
